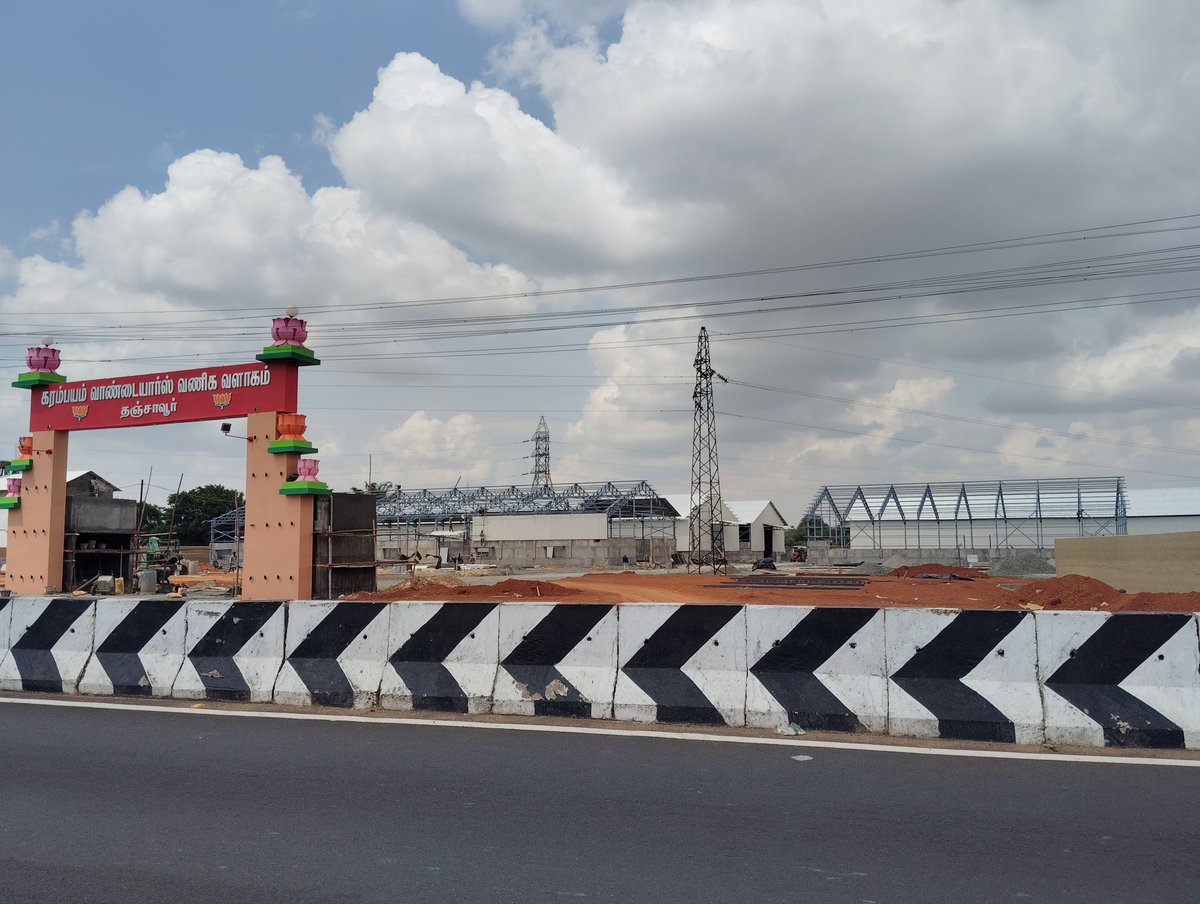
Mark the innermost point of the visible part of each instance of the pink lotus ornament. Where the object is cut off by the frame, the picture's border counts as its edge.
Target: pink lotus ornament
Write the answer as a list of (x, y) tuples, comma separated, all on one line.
[(289, 329), (14, 486), (43, 359), (306, 468)]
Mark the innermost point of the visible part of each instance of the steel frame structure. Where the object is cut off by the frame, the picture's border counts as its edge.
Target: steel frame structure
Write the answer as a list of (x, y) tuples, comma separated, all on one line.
[(1019, 509), (228, 528), (620, 501)]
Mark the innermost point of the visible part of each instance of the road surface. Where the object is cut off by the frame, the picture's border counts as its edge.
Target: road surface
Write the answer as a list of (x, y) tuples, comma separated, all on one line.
[(110, 805)]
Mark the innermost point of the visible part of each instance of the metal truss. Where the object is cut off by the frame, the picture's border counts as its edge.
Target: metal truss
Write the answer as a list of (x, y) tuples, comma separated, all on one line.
[(227, 528), (1021, 514), (615, 499)]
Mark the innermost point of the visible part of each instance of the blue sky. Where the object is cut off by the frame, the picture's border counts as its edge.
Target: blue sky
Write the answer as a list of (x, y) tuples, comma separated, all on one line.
[(102, 95), (495, 210)]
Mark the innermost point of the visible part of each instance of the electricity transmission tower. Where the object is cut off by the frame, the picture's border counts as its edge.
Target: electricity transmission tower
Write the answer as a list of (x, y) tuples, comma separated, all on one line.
[(706, 546), (541, 458)]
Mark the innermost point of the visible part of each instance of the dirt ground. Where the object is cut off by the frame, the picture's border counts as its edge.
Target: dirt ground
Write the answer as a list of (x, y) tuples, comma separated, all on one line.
[(1070, 592)]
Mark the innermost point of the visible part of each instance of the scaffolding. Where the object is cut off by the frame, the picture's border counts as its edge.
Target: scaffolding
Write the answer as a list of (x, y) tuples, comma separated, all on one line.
[(1002, 514), (225, 537)]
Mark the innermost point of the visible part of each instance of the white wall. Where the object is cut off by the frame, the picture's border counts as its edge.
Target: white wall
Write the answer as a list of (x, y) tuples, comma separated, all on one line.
[(488, 528)]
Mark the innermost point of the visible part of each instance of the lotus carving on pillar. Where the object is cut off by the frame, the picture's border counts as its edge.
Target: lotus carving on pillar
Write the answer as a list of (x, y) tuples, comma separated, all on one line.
[(289, 330), (25, 446), (14, 486), (306, 468), (290, 426), (43, 360)]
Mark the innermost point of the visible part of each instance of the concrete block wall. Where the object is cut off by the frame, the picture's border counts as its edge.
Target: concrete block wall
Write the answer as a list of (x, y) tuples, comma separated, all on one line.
[(1153, 563), (1079, 678)]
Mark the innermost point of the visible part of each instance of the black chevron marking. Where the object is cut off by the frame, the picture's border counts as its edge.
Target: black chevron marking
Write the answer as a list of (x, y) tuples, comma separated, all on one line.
[(934, 676), (419, 662), (533, 662), (786, 670), (655, 668), (32, 651), (118, 654), (315, 658), (213, 654), (1089, 680)]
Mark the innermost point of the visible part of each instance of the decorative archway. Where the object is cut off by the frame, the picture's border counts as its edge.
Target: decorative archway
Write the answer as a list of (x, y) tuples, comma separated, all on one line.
[(277, 563)]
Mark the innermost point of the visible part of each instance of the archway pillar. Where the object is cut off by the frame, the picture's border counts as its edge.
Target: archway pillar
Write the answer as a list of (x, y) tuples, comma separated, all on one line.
[(278, 548), (37, 528)]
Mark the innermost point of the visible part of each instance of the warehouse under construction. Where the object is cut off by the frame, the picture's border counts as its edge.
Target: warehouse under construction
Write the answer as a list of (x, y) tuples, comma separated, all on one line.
[(979, 520)]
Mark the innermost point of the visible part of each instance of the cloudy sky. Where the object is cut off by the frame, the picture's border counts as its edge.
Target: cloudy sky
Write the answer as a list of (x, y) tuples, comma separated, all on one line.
[(929, 240)]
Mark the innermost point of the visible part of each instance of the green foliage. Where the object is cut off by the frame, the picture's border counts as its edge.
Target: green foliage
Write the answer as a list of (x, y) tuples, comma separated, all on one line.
[(375, 488), (195, 508), (814, 527), (154, 519)]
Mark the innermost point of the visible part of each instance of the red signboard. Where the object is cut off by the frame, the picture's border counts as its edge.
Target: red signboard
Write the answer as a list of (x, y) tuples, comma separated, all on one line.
[(175, 397)]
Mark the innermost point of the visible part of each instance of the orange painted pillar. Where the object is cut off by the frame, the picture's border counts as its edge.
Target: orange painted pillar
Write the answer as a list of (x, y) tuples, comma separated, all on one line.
[(277, 561), (37, 529)]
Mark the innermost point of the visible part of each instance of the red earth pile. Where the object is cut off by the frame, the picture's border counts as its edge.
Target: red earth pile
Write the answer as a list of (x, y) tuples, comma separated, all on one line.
[(905, 571), (1070, 592)]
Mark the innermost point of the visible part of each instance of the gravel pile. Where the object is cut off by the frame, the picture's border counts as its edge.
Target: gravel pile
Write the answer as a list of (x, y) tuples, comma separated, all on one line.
[(1021, 564)]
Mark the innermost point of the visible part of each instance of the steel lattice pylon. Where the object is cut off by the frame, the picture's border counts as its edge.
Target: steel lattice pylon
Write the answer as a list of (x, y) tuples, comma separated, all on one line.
[(706, 547), (541, 457)]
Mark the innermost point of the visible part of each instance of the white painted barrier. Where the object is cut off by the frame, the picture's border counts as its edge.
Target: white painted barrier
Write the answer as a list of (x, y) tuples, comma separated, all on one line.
[(336, 654), (234, 651), (1123, 679), (968, 674), (50, 640), (820, 669), (138, 647), (681, 663), (443, 657), (557, 659)]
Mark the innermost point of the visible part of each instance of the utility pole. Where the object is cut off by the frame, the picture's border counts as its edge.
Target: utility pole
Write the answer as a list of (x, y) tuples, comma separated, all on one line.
[(541, 458), (707, 526)]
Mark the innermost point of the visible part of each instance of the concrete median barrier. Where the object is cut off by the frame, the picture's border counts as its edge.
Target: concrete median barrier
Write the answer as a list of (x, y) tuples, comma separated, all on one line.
[(138, 647), (50, 640), (336, 654)]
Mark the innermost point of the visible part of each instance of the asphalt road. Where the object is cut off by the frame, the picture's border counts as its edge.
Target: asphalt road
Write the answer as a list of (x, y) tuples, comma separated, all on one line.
[(104, 805)]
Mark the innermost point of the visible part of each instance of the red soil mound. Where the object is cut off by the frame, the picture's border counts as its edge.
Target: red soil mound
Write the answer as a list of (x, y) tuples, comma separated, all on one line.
[(905, 571), (1070, 591), (528, 591)]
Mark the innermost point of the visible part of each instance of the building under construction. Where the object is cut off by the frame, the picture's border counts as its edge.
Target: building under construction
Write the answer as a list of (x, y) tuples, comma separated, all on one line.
[(969, 519)]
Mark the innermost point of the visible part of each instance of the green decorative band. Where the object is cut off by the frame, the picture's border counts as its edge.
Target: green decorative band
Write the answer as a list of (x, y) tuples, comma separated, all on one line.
[(10, 502), (304, 488), (297, 353), (281, 446), (19, 464), (34, 379)]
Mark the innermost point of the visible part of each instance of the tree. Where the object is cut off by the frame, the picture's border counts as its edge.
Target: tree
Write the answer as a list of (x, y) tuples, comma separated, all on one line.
[(374, 488), (154, 519), (194, 509), (814, 527)]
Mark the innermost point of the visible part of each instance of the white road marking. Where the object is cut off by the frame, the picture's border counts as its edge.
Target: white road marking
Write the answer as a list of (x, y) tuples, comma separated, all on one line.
[(802, 758), (197, 710)]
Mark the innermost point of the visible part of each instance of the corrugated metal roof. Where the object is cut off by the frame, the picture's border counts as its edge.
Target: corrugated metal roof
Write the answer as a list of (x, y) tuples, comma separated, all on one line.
[(748, 512), (1159, 502)]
